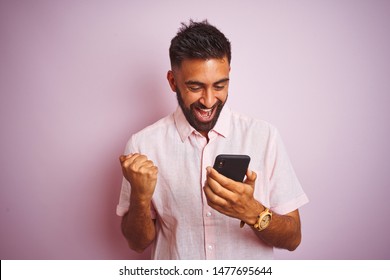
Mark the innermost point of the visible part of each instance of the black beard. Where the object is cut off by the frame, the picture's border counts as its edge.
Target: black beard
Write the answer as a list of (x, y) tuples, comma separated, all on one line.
[(193, 121)]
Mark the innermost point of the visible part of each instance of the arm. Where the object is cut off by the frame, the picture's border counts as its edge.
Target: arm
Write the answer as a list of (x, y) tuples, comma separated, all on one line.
[(236, 200), (137, 225), (284, 231)]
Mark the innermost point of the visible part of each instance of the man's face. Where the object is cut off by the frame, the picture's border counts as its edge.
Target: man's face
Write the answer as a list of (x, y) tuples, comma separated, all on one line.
[(201, 87)]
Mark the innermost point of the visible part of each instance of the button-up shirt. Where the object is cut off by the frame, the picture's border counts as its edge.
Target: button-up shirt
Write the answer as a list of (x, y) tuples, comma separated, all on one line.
[(186, 227)]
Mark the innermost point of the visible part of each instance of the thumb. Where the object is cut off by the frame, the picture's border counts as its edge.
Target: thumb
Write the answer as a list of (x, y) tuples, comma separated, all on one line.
[(251, 177), (123, 158)]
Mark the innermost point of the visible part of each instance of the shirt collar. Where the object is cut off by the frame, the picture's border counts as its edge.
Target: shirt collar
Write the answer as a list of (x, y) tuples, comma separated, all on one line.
[(222, 127)]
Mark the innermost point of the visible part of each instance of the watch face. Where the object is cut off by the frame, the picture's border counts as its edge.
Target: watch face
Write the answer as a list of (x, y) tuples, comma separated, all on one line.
[(265, 221)]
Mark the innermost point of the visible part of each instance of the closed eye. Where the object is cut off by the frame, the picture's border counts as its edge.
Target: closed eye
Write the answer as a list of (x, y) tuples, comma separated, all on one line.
[(195, 88), (219, 87)]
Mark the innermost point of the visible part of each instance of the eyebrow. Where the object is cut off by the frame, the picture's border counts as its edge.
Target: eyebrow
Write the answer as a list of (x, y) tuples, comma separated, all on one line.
[(191, 82)]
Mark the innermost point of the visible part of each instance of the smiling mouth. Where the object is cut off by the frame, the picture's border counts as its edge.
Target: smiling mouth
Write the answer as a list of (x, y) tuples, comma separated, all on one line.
[(205, 115)]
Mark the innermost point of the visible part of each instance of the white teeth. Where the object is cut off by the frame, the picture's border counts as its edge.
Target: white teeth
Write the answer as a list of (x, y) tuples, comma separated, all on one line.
[(207, 111)]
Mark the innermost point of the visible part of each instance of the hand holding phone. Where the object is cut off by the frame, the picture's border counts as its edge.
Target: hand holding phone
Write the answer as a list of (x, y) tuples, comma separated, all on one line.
[(231, 197)]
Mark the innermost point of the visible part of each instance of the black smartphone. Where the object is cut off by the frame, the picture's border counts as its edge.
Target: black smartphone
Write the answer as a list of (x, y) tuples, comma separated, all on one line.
[(232, 166)]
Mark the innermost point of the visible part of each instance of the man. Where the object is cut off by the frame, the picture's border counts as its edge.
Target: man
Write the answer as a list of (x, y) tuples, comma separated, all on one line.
[(172, 198)]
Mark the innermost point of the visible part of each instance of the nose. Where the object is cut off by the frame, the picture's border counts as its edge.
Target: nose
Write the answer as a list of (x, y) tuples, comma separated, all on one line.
[(208, 98)]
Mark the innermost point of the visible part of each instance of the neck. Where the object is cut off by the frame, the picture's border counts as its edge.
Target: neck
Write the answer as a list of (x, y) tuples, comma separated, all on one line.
[(205, 134)]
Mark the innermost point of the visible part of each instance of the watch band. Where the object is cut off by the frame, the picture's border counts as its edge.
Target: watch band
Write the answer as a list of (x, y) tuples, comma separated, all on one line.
[(263, 220)]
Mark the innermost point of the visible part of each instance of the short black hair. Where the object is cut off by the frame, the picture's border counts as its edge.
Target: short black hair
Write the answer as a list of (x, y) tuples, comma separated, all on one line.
[(198, 40)]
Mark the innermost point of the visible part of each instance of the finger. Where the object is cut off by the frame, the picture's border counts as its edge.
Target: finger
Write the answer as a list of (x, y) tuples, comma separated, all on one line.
[(133, 161), (123, 158), (215, 175), (131, 157), (212, 198), (147, 164), (218, 189), (150, 172), (137, 161), (251, 177), (227, 183)]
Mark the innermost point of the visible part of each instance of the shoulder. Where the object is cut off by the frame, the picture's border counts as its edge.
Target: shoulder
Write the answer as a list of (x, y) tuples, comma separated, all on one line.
[(151, 134), (251, 124), (161, 125)]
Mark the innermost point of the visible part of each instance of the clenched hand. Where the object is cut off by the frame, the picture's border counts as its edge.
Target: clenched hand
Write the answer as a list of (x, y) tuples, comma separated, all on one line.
[(141, 174)]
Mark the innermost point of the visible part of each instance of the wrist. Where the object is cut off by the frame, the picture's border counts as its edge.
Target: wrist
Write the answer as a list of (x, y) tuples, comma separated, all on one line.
[(255, 213), (252, 214), (140, 201), (259, 219)]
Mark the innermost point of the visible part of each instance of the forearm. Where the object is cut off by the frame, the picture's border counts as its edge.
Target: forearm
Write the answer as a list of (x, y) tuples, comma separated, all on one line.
[(284, 231), (138, 226)]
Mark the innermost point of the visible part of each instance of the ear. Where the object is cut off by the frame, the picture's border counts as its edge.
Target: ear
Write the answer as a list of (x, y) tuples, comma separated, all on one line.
[(171, 80)]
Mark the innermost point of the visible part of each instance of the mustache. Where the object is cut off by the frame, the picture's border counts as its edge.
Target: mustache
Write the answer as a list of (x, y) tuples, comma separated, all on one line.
[(199, 105)]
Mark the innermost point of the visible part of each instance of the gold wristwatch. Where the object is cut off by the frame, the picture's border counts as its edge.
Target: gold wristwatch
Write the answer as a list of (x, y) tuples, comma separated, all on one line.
[(263, 220)]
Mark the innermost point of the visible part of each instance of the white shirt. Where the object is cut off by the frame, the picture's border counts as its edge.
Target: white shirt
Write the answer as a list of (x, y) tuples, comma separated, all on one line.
[(187, 228)]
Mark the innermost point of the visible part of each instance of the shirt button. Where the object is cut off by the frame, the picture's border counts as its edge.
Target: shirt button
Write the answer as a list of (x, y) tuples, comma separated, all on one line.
[(208, 214), (210, 247)]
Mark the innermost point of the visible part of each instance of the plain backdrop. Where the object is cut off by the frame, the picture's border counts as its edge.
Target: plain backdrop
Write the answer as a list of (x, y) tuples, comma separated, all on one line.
[(77, 78)]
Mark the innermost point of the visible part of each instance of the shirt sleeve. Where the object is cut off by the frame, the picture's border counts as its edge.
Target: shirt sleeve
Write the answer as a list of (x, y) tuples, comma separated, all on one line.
[(286, 193), (124, 197)]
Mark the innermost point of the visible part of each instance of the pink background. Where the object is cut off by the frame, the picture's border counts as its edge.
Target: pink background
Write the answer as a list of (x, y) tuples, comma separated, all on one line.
[(77, 78)]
